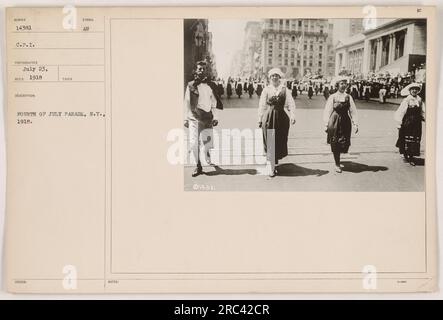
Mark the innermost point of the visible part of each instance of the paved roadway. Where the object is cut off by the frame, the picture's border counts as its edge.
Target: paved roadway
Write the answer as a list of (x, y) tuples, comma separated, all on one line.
[(373, 163)]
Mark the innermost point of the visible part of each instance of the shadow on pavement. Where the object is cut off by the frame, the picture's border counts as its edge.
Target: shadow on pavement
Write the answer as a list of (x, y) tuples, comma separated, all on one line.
[(355, 167), (292, 170), (419, 161), (230, 172)]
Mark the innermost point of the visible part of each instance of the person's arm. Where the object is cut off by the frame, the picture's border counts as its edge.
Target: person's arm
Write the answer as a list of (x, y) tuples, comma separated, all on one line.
[(262, 105), (423, 111), (214, 106), (353, 111), (328, 109), (290, 105), (401, 111), (187, 106)]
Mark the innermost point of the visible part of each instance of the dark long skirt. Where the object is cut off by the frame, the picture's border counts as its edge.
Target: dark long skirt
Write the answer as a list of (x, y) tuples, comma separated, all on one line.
[(339, 132), (409, 134), (275, 134)]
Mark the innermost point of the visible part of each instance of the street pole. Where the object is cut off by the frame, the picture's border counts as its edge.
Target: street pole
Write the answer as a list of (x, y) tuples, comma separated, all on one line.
[(302, 50)]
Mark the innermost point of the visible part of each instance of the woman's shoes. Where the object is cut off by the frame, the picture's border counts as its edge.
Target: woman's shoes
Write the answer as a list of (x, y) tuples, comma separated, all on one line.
[(337, 169), (273, 173)]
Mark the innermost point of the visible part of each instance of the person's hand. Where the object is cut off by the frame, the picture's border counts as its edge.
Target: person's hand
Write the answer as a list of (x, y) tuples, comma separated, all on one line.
[(259, 124), (186, 123), (356, 129), (293, 121), (214, 123), (326, 128)]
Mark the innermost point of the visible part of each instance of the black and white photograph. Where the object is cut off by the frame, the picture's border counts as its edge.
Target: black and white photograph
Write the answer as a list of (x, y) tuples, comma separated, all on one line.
[(304, 104)]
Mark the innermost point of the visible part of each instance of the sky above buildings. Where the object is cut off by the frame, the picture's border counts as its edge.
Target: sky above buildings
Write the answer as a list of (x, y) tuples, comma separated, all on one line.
[(227, 39)]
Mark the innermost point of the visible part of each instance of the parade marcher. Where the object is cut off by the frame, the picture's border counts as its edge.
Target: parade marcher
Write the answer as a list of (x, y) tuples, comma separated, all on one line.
[(316, 90), (245, 86), (221, 89), (354, 90), (360, 90), (229, 89), (289, 84), (274, 120), (326, 92), (382, 94), (259, 89), (339, 116), (294, 89), (310, 91), (367, 90), (201, 115), (239, 89), (250, 89), (409, 116)]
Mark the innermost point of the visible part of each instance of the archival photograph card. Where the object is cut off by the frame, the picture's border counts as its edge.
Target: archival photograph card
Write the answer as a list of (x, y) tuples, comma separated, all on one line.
[(221, 149)]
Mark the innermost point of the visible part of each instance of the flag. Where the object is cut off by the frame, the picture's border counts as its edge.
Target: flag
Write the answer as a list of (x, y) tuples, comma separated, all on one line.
[(300, 39)]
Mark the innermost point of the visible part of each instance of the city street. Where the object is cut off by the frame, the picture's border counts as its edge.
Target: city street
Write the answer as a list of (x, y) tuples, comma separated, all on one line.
[(372, 164)]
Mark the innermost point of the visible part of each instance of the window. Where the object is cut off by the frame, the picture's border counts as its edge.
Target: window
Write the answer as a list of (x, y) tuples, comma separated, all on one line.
[(280, 45), (319, 55), (319, 63), (299, 23), (286, 62), (292, 63), (293, 38), (298, 63), (320, 48), (311, 47), (269, 61), (304, 63), (399, 44), (281, 22), (305, 47), (287, 23), (310, 63)]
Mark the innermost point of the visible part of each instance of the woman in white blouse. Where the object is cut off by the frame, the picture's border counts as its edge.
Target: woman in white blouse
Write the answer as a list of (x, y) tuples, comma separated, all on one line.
[(339, 116), (276, 111), (409, 116)]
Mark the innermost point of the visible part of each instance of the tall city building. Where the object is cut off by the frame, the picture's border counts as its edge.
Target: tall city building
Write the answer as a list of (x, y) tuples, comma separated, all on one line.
[(345, 28), (197, 46), (236, 64), (299, 47), (252, 49)]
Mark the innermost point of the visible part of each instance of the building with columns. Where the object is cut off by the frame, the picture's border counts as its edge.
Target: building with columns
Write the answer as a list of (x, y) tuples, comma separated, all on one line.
[(395, 46)]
